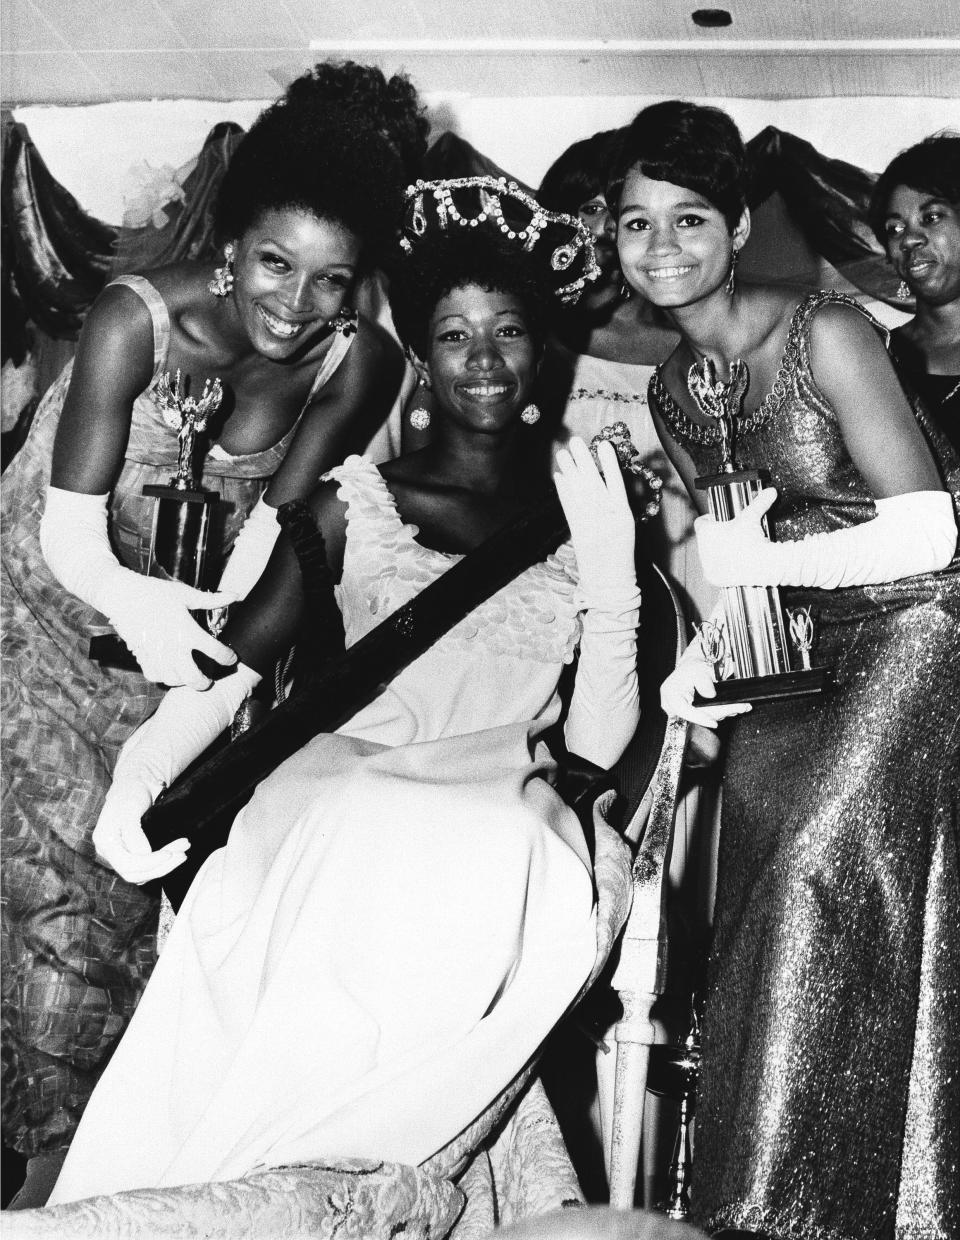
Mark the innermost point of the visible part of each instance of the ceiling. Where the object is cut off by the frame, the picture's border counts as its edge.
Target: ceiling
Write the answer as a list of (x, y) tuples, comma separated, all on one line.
[(95, 51)]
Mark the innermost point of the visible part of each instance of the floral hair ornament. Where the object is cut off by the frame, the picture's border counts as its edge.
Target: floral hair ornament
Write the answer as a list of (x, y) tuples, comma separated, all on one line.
[(495, 202)]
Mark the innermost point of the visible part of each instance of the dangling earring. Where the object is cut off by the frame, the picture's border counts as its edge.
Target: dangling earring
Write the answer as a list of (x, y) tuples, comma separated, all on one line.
[(530, 415), (626, 292), (731, 284), (903, 292), (420, 417), (222, 281)]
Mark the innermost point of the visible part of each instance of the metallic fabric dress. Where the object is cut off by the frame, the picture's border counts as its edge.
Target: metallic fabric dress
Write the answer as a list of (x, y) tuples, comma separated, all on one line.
[(830, 1096), (78, 940)]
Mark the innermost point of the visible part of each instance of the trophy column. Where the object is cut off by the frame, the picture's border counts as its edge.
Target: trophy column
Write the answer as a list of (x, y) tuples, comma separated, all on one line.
[(750, 650), (181, 514)]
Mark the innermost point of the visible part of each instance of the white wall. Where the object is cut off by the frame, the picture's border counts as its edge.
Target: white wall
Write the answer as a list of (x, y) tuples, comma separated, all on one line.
[(94, 151)]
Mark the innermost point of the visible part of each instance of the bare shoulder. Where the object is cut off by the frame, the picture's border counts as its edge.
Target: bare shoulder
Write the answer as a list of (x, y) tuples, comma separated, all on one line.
[(182, 285), (836, 327), (117, 337), (374, 343), (330, 514)]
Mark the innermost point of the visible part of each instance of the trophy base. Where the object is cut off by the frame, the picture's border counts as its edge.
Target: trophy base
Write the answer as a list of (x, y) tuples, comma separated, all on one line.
[(800, 683), (672, 1070), (109, 651)]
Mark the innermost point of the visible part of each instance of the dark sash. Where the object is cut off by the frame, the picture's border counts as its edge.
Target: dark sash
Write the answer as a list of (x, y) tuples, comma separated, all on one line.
[(202, 804)]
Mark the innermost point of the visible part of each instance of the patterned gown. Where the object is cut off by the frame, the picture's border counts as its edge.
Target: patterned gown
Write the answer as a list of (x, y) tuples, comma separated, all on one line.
[(830, 1096), (79, 941)]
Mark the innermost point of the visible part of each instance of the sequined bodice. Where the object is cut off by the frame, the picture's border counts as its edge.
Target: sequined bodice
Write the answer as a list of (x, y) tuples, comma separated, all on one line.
[(793, 433), (533, 617)]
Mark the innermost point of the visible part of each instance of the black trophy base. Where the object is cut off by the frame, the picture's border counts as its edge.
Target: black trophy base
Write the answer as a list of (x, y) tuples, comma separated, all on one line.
[(800, 683), (109, 651)]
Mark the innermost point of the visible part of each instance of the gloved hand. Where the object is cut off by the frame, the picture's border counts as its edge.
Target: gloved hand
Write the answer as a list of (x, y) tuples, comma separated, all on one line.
[(120, 841), (602, 527), (695, 673), (604, 707), (738, 548), (912, 533), (184, 725), (151, 615), (692, 675)]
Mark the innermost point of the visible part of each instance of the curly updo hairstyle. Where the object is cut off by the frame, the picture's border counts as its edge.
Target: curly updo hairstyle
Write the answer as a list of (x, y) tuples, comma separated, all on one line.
[(307, 153), (580, 173), (391, 106), (929, 167), (446, 261), (687, 144)]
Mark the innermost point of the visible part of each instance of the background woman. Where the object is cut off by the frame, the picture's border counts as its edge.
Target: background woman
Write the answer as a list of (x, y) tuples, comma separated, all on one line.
[(915, 213), (602, 353), (829, 1100), (404, 909), (309, 200)]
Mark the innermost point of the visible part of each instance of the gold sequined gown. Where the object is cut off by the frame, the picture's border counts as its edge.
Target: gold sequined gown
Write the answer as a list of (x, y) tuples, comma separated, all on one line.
[(830, 1093)]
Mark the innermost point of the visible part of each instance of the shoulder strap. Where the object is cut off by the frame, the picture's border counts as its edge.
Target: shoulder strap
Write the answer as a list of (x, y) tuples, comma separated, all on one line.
[(345, 326), (159, 316), (202, 805), (833, 297)]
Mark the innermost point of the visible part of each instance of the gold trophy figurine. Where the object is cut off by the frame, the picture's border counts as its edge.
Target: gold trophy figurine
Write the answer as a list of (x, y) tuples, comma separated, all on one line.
[(752, 647), (181, 516)]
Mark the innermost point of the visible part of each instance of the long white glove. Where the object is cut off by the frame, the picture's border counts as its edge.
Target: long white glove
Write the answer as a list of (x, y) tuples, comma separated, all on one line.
[(604, 710), (911, 533), (694, 673), (186, 722), (151, 615), (251, 551)]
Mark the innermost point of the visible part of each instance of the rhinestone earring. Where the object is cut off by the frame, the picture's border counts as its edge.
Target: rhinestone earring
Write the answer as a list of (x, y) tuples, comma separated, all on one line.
[(903, 291), (730, 287), (530, 415), (420, 417), (222, 281)]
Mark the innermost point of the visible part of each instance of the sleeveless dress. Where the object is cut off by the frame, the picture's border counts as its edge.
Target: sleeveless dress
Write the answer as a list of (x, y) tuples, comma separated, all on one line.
[(830, 1097), (605, 392), (400, 915), (78, 939)]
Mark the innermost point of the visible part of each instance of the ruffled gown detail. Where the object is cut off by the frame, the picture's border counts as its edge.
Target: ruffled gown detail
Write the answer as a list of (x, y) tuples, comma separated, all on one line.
[(830, 1099), (401, 913)]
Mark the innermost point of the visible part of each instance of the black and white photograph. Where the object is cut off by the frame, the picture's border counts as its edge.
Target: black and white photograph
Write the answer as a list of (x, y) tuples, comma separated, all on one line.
[(480, 688)]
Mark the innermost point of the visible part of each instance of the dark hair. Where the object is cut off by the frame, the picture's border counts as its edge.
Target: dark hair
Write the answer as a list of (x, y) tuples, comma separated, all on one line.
[(929, 167), (690, 145), (446, 261), (390, 106), (306, 153), (580, 173)]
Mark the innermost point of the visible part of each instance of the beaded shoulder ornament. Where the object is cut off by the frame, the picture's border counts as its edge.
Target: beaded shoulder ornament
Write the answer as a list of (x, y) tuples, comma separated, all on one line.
[(499, 203)]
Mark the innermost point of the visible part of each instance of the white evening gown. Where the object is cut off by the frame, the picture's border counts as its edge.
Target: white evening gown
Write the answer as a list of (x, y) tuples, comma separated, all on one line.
[(401, 914), (603, 392)]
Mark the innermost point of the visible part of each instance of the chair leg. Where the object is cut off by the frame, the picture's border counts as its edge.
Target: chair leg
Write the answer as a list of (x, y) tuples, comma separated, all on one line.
[(629, 1098), (635, 1034)]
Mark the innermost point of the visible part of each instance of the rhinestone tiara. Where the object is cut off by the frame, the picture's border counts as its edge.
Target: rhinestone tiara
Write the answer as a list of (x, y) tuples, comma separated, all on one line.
[(500, 203)]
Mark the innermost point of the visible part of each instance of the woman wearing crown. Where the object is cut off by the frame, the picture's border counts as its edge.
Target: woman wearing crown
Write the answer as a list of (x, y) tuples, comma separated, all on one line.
[(406, 906)]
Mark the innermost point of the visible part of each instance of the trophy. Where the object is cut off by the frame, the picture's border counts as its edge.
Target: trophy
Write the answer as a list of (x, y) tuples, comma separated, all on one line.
[(181, 514), (749, 648)]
